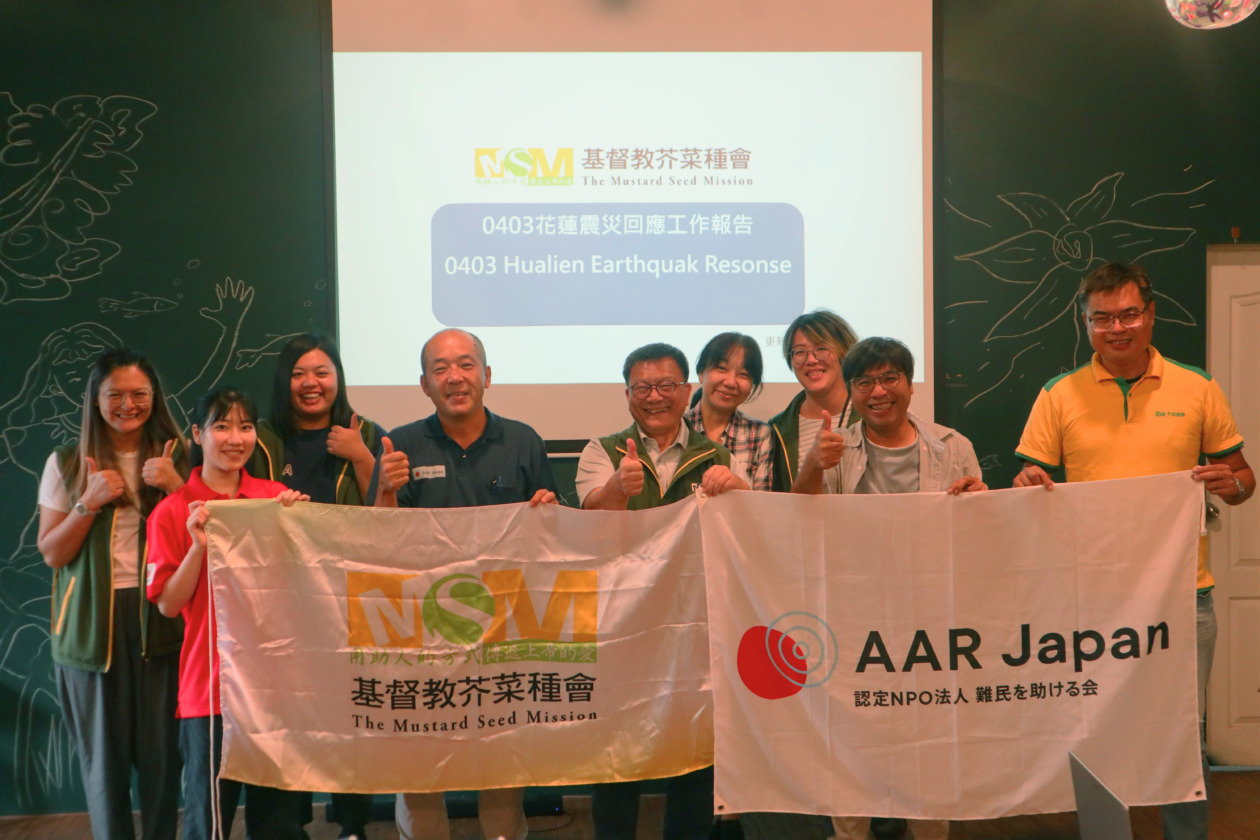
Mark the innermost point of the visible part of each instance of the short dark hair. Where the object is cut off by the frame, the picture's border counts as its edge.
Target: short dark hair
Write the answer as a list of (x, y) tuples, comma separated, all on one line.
[(874, 352), (652, 353), (215, 403), (823, 327), (721, 345), (282, 387), (1111, 277)]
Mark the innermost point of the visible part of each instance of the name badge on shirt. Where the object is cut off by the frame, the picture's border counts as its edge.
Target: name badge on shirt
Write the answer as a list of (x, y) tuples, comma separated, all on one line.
[(434, 471)]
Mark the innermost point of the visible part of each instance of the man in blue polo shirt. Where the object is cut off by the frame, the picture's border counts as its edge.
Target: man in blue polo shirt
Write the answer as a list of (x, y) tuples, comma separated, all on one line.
[(462, 455)]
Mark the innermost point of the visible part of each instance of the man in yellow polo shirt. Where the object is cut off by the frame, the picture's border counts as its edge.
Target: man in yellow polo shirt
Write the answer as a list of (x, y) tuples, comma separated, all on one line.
[(1131, 412)]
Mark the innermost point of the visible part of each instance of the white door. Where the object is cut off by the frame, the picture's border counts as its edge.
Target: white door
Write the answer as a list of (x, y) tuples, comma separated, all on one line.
[(1233, 355)]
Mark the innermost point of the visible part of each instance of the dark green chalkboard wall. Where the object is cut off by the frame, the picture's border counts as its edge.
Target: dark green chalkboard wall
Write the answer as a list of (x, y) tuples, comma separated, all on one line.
[(162, 184), (1068, 134)]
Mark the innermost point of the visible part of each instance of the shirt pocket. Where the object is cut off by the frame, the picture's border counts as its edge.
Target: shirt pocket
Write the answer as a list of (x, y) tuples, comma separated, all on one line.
[(505, 488)]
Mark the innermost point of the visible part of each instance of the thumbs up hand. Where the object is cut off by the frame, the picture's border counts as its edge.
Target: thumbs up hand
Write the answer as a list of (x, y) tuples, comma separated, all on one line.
[(630, 471), (828, 446), (103, 486), (347, 441), (395, 469), (160, 471)]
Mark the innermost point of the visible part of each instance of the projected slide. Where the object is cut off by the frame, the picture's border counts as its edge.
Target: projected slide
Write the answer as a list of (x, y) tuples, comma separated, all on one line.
[(571, 206), (508, 264)]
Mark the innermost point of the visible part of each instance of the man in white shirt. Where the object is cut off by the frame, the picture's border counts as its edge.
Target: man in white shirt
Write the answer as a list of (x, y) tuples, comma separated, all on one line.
[(658, 460)]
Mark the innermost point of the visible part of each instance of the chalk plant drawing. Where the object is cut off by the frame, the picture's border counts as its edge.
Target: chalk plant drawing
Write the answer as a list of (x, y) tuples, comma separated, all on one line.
[(44, 413), (59, 166), (1059, 247)]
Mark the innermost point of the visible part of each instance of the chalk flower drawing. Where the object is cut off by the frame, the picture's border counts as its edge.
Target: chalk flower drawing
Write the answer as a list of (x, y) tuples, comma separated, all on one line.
[(1061, 246), (58, 167)]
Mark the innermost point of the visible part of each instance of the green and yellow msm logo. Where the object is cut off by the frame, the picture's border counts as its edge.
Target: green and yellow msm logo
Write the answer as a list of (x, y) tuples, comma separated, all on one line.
[(462, 611), (521, 165)]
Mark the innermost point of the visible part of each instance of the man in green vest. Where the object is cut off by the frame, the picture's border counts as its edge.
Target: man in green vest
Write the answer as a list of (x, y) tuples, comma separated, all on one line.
[(657, 461)]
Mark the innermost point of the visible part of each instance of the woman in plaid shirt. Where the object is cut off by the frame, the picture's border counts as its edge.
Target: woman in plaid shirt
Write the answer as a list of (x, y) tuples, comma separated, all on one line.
[(729, 369)]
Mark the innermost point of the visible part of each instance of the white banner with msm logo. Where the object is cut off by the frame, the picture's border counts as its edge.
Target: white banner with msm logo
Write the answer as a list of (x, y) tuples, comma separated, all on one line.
[(923, 655), (465, 649)]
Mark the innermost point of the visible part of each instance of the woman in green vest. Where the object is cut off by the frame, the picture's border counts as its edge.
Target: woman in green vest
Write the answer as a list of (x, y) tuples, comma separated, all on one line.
[(116, 656), (814, 345), (314, 442)]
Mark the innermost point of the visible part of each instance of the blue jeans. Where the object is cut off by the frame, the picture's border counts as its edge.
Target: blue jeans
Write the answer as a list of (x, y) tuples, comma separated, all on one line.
[(270, 814)]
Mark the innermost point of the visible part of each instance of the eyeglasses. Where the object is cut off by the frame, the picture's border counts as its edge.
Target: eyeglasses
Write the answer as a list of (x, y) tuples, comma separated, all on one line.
[(1128, 318), (642, 390), (822, 354), (865, 384), (115, 399)]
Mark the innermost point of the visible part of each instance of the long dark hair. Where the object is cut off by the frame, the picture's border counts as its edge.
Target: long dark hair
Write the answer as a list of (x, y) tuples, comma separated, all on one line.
[(94, 439), (717, 351), (217, 403), (282, 388)]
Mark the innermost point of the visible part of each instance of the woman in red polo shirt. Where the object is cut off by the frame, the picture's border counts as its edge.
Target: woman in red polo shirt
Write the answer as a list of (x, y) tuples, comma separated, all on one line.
[(224, 436)]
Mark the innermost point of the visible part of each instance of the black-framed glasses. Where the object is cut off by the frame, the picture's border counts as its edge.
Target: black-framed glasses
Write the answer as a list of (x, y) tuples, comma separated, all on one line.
[(821, 353), (888, 380), (1101, 322), (642, 390)]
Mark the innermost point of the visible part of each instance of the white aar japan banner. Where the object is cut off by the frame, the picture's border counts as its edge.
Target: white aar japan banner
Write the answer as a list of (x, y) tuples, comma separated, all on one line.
[(923, 655), (427, 650)]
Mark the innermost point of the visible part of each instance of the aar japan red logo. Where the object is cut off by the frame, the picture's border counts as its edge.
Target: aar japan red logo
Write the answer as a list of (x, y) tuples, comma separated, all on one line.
[(797, 650)]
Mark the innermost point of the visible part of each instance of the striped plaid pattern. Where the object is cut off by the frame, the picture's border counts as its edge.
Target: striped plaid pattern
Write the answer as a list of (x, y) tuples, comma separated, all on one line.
[(749, 443)]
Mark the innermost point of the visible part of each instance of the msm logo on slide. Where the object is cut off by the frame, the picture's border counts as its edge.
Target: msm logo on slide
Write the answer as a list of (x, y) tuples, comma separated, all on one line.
[(462, 611), (521, 165)]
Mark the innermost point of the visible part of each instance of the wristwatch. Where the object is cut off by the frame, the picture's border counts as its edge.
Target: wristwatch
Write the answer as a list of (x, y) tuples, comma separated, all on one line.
[(84, 510), (1242, 491)]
